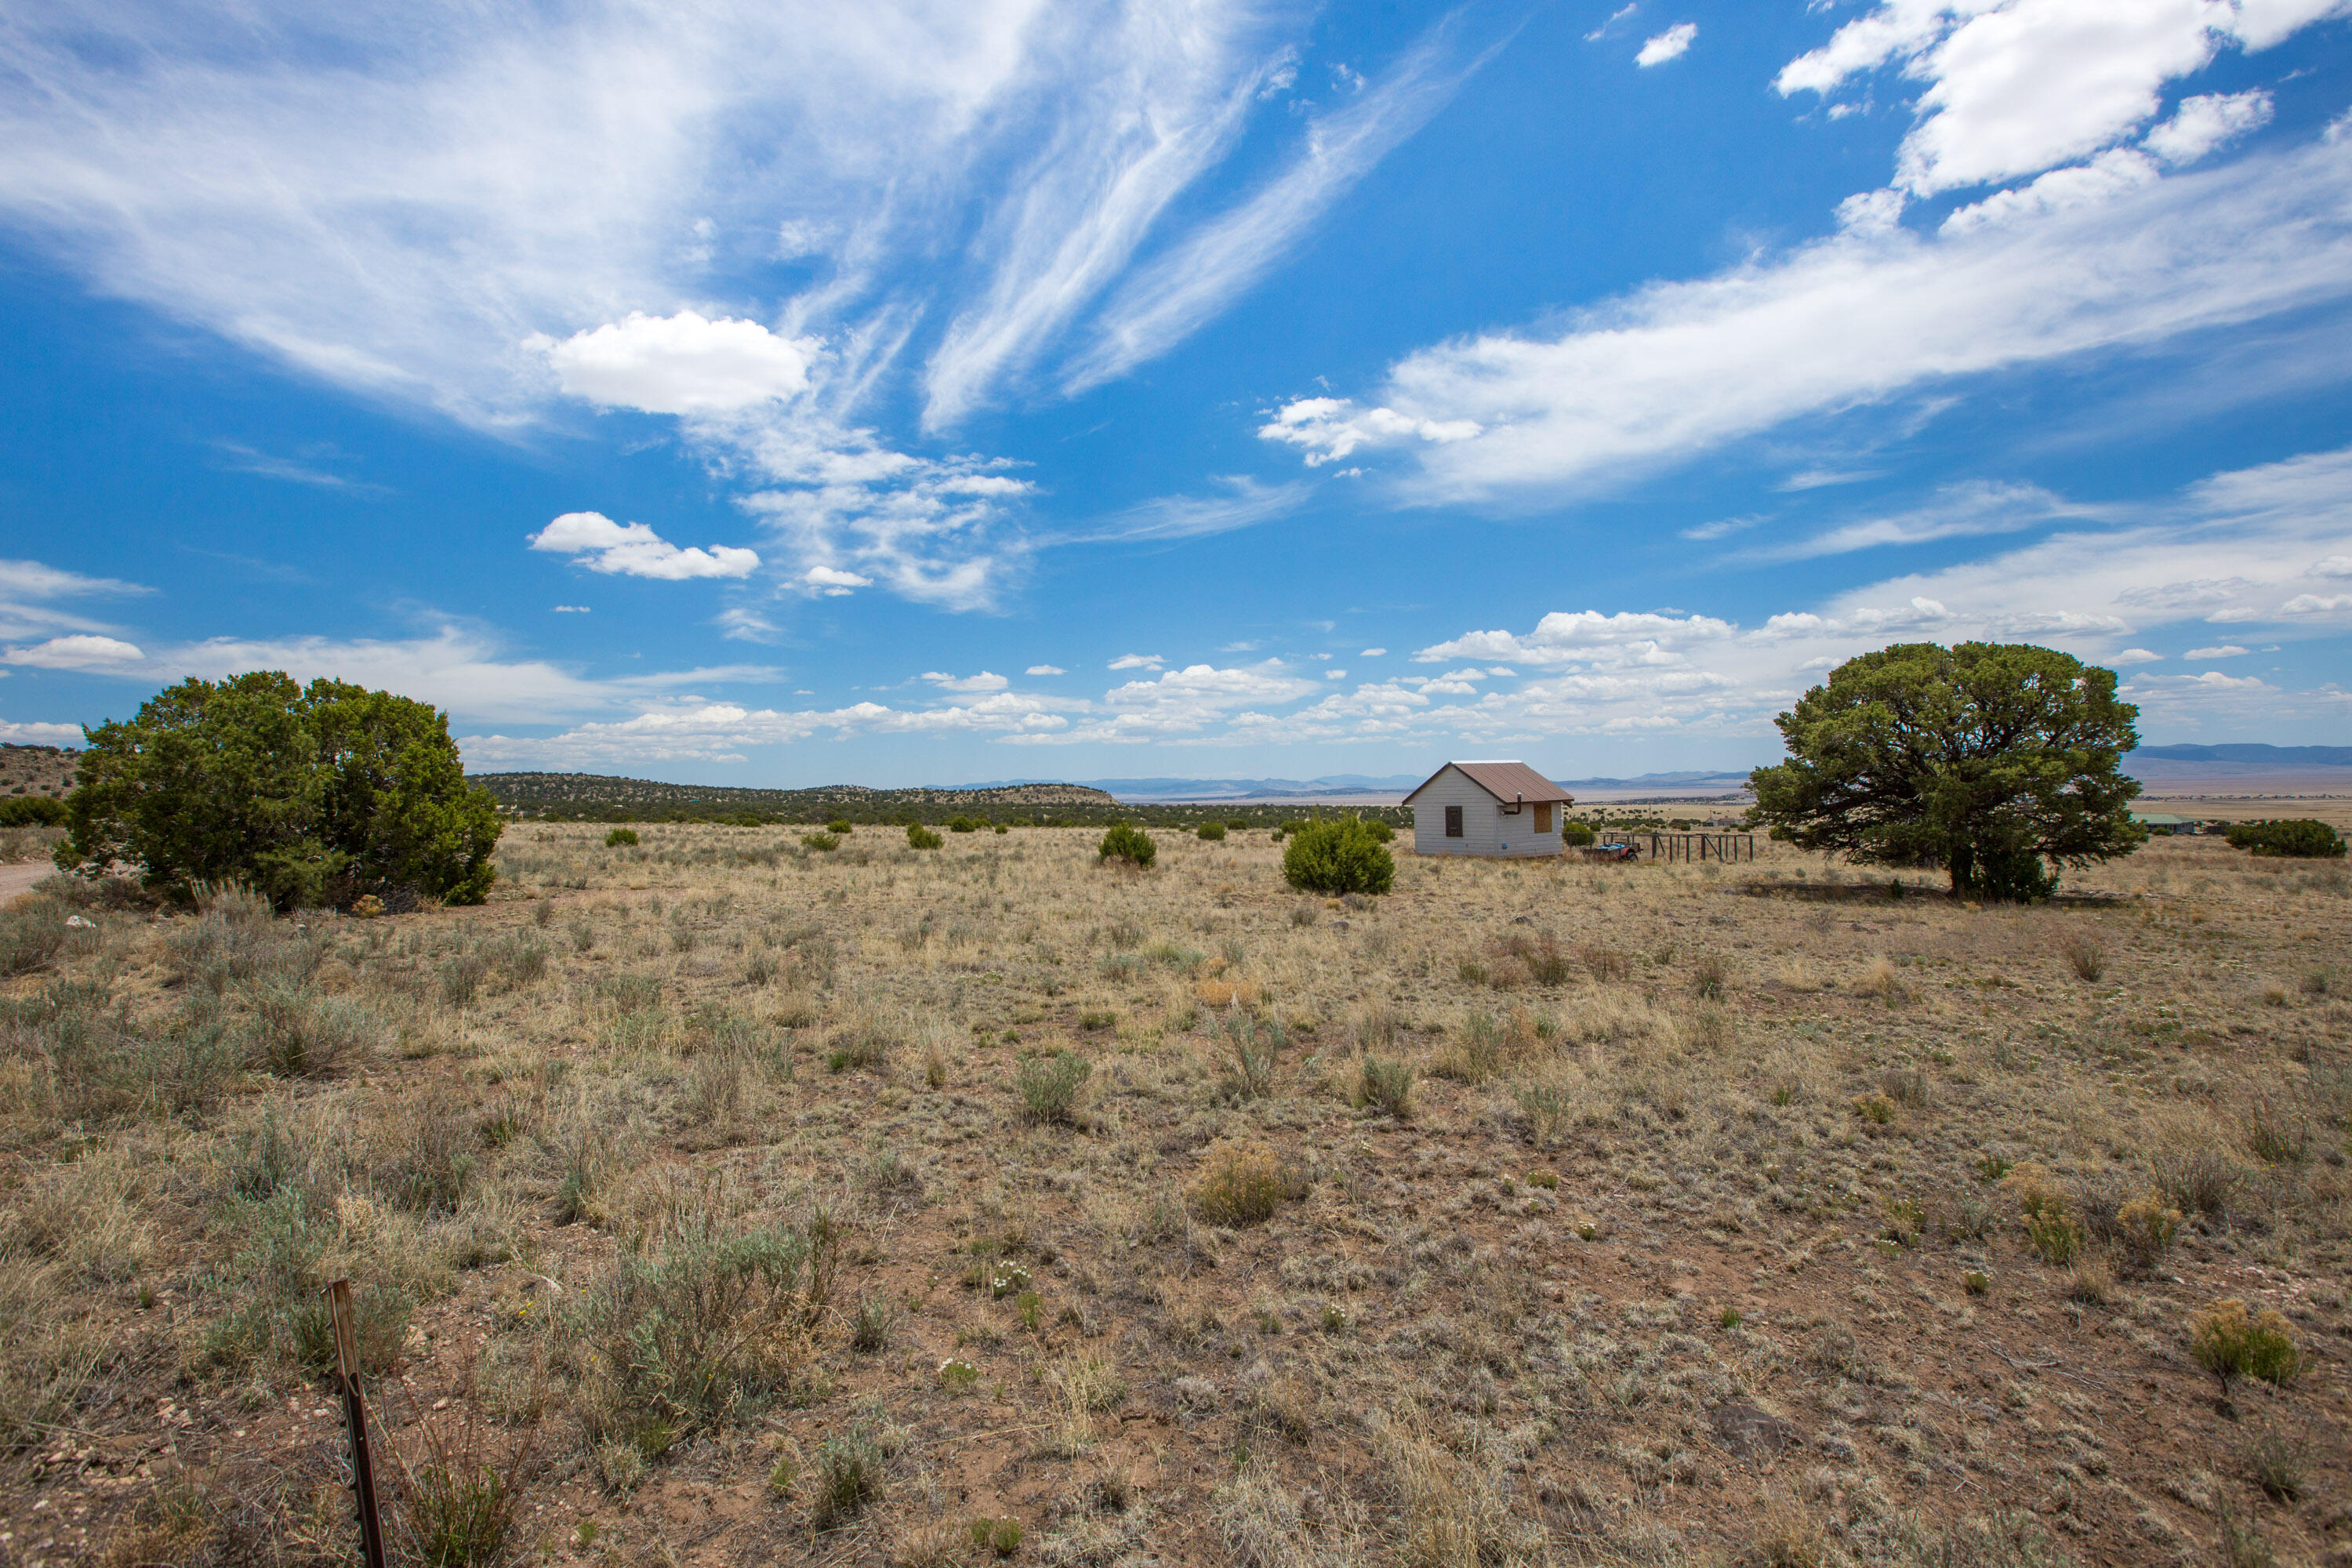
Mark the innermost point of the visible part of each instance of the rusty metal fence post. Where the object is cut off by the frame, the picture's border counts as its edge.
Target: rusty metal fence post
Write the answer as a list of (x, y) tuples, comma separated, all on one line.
[(347, 1379)]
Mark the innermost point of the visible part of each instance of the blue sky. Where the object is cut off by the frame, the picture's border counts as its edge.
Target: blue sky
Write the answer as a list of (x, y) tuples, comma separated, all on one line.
[(788, 393)]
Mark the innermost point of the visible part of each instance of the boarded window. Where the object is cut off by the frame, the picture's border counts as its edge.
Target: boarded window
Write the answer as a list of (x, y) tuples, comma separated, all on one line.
[(1452, 822), (1543, 816)]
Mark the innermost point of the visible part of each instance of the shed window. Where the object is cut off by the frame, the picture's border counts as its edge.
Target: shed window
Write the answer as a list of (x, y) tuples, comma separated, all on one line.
[(1543, 816), (1452, 822)]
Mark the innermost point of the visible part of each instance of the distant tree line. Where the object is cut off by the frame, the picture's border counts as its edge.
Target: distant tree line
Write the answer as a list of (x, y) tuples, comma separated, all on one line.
[(1188, 817)]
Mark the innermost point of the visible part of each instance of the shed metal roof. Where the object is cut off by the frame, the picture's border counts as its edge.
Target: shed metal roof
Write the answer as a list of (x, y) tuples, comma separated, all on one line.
[(1506, 782)]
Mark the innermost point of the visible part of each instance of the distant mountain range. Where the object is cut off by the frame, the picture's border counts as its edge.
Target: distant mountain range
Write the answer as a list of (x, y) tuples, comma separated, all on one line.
[(2252, 754)]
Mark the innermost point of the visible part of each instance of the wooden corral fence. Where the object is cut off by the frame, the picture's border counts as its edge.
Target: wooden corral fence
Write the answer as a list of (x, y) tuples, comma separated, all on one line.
[(1687, 846)]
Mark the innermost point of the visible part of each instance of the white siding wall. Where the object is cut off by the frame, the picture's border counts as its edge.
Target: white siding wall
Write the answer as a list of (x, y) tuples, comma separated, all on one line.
[(1487, 829)]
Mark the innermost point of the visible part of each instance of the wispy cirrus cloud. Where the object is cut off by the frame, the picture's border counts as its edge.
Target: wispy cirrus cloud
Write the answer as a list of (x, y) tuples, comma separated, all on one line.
[(1243, 503), (1969, 509), (32, 599), (510, 216), (1173, 297), (1862, 317)]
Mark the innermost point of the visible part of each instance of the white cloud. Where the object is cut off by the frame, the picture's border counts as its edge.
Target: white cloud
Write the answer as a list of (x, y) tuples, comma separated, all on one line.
[(1677, 369), (570, 610), (78, 651), (1335, 675), (39, 734), (932, 530), (984, 681), (1374, 653), (2259, 24), (455, 666), (2227, 650), (833, 582), (1045, 669), (1614, 17), (1138, 661), (2146, 688), (633, 550), (2207, 121), (243, 459), (2040, 82), (1872, 211), (2332, 566), (29, 591), (1721, 528), (1246, 503), (2134, 656), (2316, 605), (2016, 87), (684, 363), (740, 622), (1186, 701), (1329, 428), (1670, 45), (1978, 507), (1583, 636), (2105, 177), (719, 731)]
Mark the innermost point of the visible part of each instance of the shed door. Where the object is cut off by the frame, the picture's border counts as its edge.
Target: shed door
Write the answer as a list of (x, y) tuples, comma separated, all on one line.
[(1543, 816), (1452, 822)]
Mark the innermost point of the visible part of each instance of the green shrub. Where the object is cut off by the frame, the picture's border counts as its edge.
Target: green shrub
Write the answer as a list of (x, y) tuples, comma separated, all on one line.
[(1236, 825), (32, 811), (965, 824), (2147, 1226), (297, 1033), (692, 1333), (1050, 1085), (822, 841), (2231, 1343), (838, 828), (1337, 857), (32, 934), (921, 837), (848, 1477), (1251, 1050), (309, 794), (1385, 1086), (877, 1319), (1128, 844), (1239, 1184), (1214, 832), (275, 1284), (2299, 839), (1576, 835), (1002, 1536), (1380, 831), (619, 836), (2051, 1227)]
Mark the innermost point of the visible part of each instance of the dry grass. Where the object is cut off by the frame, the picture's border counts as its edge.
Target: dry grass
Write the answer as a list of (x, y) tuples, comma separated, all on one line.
[(874, 1204)]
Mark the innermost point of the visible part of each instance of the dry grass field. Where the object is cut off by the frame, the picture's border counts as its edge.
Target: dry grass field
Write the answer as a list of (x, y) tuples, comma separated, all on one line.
[(724, 1201)]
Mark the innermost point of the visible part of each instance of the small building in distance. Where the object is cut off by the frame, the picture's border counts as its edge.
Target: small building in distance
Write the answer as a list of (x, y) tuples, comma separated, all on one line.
[(1489, 808)]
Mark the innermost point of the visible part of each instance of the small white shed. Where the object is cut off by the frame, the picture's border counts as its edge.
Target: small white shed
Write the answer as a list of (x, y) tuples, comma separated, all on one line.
[(1489, 808)]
